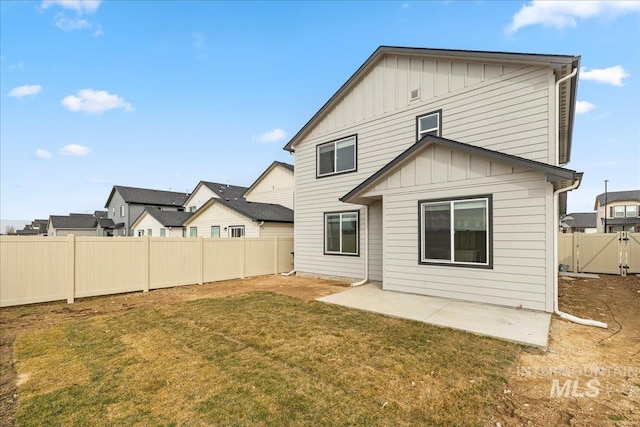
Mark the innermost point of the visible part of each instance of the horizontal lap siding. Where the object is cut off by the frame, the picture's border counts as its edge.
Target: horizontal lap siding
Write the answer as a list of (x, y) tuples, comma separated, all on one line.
[(498, 107), (276, 187), (222, 216), (518, 277)]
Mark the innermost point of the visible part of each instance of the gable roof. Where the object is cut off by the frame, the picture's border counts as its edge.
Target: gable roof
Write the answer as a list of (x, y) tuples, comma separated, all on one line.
[(226, 191), (561, 177), (146, 196), (266, 172), (254, 211), (106, 223), (169, 218), (618, 196), (74, 221), (562, 65), (580, 220)]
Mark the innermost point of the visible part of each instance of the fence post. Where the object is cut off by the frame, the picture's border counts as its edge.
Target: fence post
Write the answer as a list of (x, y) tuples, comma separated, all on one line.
[(71, 268), (576, 252), (146, 276), (276, 255), (244, 257), (201, 256)]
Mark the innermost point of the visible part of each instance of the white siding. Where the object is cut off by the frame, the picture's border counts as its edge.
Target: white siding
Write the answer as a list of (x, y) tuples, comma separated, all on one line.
[(148, 222), (222, 216), (199, 197), (76, 232), (280, 229), (276, 187), (498, 107), (520, 231)]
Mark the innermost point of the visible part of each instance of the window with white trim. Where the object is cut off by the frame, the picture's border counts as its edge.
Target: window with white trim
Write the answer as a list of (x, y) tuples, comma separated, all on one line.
[(163, 232), (236, 231), (193, 231), (149, 232), (215, 231), (192, 208), (184, 232), (456, 231), (122, 211), (336, 156), (429, 124), (341, 233)]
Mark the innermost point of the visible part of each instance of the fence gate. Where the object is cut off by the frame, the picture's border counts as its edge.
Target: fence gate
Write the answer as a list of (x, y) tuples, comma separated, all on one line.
[(608, 253)]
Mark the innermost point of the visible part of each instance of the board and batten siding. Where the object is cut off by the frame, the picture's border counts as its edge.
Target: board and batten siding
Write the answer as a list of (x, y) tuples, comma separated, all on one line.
[(499, 107), (200, 197), (275, 188), (521, 206)]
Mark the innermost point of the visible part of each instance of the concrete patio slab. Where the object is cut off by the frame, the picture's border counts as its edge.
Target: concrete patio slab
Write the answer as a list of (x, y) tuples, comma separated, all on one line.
[(520, 326)]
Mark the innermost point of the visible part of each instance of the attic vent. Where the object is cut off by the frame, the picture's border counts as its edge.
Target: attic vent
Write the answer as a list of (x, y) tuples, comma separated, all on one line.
[(414, 94)]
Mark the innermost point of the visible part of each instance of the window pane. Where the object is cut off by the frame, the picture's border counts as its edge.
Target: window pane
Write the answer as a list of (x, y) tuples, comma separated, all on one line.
[(215, 231), (193, 232), (332, 238), (428, 123), (346, 155), (162, 232), (618, 211), (326, 159), (437, 231), (632, 211), (350, 233), (470, 237)]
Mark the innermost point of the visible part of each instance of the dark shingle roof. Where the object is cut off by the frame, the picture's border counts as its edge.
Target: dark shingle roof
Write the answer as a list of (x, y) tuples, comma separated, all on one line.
[(106, 223), (581, 220), (226, 191), (73, 221), (100, 214), (259, 211), (146, 196), (286, 165), (169, 218), (27, 232), (618, 196)]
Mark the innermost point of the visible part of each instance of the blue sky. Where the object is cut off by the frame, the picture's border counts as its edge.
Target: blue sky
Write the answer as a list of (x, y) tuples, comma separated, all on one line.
[(165, 94)]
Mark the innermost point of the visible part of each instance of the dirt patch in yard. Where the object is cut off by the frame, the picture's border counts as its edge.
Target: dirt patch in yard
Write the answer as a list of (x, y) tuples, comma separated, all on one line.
[(17, 320), (589, 376)]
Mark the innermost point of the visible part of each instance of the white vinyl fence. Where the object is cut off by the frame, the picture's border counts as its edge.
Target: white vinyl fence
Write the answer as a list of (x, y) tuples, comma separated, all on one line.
[(40, 269), (608, 253)]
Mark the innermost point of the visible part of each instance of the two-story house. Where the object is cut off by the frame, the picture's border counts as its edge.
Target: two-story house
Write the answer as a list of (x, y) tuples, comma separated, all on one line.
[(618, 211), (126, 204), (437, 172)]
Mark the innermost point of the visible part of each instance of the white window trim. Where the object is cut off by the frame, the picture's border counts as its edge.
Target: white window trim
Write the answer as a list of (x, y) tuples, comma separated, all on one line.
[(335, 156), (193, 228), (421, 132), (121, 211), (341, 252), (235, 227), (451, 261), (212, 228)]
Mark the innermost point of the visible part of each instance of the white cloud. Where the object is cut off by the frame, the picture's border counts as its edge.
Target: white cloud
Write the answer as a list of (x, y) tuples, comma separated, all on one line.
[(80, 6), (71, 24), (272, 136), (562, 14), (43, 154), (611, 75), (74, 150), (95, 102), (583, 107), (22, 91)]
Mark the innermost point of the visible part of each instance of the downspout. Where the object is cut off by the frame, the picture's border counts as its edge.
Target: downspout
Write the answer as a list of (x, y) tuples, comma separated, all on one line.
[(366, 249), (556, 309)]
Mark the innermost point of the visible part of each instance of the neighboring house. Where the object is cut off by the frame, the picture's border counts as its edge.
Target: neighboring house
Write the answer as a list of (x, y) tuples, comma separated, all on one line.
[(622, 210), (437, 172), (239, 218), (77, 224), (275, 185), (126, 204), (38, 227), (157, 223), (206, 190), (579, 222)]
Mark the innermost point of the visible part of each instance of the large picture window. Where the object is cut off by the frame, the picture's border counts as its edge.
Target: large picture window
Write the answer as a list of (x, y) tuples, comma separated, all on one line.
[(341, 233), (429, 124), (456, 231), (336, 156)]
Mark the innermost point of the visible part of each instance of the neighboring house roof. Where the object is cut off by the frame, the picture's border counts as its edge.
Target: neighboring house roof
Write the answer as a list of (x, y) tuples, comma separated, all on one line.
[(266, 172), (40, 224), (73, 221), (226, 191), (100, 214), (27, 232), (618, 196), (580, 220), (146, 196), (562, 65), (106, 223), (623, 221), (255, 211), (169, 218), (561, 177)]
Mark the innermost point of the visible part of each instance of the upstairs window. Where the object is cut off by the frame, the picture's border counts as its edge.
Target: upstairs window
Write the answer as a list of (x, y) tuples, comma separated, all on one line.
[(429, 124), (122, 211), (192, 208), (336, 156)]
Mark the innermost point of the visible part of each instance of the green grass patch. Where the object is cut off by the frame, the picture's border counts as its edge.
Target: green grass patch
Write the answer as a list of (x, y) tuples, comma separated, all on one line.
[(256, 359)]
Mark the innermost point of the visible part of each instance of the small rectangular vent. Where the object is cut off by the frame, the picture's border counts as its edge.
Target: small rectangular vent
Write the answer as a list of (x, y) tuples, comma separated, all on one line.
[(415, 94)]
